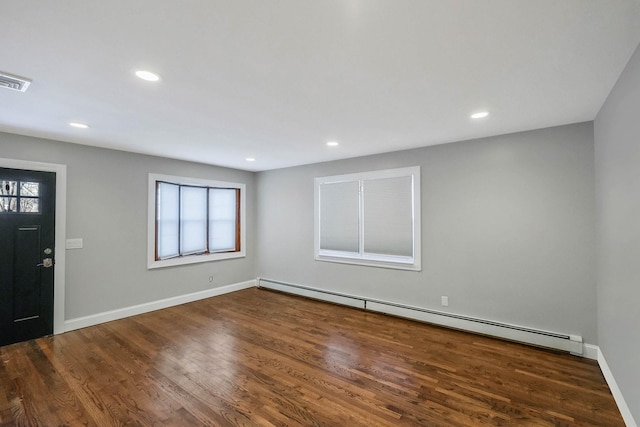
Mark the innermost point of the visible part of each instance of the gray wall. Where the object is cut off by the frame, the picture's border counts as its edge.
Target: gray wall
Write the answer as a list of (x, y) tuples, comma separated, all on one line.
[(107, 207), (507, 230), (617, 153)]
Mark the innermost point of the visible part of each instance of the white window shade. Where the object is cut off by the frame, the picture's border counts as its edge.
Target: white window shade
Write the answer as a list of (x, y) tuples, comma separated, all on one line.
[(168, 222), (388, 216), (339, 216), (193, 223), (223, 204)]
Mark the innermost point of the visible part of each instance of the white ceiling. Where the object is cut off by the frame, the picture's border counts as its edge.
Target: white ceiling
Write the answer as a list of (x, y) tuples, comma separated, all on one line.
[(276, 80)]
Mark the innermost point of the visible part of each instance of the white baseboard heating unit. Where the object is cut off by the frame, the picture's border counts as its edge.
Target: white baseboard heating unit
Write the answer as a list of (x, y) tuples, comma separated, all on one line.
[(565, 342)]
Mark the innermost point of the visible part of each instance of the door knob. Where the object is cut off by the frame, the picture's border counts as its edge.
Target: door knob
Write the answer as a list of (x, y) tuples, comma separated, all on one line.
[(46, 263)]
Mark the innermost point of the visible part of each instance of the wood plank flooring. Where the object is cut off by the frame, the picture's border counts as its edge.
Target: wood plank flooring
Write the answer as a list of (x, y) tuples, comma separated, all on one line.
[(261, 358)]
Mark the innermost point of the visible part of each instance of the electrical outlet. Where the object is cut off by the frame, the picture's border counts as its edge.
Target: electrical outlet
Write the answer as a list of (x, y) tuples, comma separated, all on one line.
[(210, 279), (444, 301)]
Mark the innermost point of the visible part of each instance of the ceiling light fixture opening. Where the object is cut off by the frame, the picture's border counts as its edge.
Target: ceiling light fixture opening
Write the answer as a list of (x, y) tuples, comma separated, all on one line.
[(332, 144), (250, 159), (480, 115), (78, 125), (147, 75)]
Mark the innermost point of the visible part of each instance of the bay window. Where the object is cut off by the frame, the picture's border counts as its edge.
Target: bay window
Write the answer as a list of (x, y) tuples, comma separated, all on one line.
[(192, 220)]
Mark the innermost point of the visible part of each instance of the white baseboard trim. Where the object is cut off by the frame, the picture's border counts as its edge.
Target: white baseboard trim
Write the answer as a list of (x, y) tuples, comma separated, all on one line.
[(590, 351), (615, 390), (121, 313)]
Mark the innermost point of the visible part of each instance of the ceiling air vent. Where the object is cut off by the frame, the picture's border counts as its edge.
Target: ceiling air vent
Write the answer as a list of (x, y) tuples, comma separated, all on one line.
[(14, 82)]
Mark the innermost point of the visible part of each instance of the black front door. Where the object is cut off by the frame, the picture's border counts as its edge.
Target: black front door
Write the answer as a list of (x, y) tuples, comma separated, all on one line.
[(27, 208)]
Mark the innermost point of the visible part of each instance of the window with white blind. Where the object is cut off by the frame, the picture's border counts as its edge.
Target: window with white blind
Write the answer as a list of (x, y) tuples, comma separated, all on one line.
[(194, 220), (370, 218)]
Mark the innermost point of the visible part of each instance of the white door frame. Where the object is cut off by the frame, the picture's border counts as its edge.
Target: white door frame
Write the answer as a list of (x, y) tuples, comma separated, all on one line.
[(61, 222)]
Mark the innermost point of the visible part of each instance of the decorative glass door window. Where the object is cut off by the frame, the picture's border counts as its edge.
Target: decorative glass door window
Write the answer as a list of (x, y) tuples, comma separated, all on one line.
[(19, 197)]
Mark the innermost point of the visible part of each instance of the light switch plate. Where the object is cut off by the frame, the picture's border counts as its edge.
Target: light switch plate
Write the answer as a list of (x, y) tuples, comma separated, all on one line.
[(74, 244)]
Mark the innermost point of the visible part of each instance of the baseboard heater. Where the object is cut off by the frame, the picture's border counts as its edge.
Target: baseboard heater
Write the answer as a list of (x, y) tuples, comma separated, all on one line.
[(565, 342)]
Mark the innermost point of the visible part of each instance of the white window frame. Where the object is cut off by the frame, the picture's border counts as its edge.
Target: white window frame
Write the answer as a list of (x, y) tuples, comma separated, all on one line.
[(190, 259), (387, 261)]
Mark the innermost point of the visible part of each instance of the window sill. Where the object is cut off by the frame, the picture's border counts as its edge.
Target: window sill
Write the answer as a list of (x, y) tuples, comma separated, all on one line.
[(397, 263), (194, 259)]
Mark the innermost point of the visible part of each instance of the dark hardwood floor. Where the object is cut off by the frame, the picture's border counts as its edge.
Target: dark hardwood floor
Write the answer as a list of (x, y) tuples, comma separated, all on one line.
[(257, 357)]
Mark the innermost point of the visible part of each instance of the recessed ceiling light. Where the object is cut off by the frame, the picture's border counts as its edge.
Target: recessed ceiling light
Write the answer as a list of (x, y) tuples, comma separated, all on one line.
[(250, 159), (147, 75), (480, 115), (78, 125), (332, 143)]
